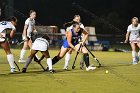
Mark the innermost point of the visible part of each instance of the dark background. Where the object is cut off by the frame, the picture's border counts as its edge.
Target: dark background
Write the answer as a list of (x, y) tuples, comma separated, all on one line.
[(108, 16)]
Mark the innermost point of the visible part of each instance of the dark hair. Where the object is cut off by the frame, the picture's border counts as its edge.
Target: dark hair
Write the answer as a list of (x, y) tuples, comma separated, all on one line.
[(75, 23), (31, 11), (45, 36), (68, 24), (12, 18), (77, 16)]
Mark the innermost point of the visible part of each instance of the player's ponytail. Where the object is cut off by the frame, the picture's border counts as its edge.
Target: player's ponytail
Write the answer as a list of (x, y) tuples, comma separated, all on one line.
[(12, 18), (68, 24)]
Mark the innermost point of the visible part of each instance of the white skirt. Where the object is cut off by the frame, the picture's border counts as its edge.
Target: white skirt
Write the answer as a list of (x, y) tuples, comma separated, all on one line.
[(40, 44), (136, 40)]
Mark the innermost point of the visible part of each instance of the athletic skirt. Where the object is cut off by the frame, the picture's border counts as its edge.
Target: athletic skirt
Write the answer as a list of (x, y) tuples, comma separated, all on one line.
[(136, 40), (40, 44)]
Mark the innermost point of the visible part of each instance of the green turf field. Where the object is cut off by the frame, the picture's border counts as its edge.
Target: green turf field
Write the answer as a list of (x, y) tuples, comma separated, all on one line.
[(122, 77)]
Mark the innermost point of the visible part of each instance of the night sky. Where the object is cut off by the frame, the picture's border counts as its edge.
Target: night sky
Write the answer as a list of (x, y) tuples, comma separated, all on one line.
[(56, 12)]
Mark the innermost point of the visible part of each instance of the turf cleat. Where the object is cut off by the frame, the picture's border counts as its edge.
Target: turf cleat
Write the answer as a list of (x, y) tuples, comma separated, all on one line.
[(134, 63), (47, 69), (13, 70), (52, 71), (21, 61), (24, 70), (90, 68), (65, 68)]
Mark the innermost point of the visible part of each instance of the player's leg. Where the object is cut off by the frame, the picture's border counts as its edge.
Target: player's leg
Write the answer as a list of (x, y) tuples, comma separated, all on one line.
[(49, 60), (85, 57), (29, 60), (22, 53), (60, 55), (134, 56), (67, 58), (10, 57), (138, 44), (36, 58)]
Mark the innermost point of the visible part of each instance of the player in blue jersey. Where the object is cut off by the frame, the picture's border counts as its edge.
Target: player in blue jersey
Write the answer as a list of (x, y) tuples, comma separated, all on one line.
[(71, 41)]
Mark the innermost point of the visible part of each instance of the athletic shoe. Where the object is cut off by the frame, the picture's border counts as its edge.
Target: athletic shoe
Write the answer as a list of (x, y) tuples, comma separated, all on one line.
[(65, 68), (21, 61), (82, 65), (24, 70), (13, 70), (52, 71), (47, 69), (134, 63), (90, 68)]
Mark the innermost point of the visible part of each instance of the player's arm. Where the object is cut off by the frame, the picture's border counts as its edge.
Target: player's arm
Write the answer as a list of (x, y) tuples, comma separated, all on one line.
[(126, 37), (12, 33), (25, 31), (85, 36), (69, 39), (34, 29)]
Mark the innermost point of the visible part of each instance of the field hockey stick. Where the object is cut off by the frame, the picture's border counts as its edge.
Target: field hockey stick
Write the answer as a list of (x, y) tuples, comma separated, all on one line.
[(93, 56), (19, 44), (17, 66), (39, 63), (41, 66), (73, 66)]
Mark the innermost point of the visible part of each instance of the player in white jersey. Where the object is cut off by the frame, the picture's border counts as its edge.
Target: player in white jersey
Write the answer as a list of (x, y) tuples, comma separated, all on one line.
[(133, 31), (68, 54), (40, 44), (8, 27), (29, 27)]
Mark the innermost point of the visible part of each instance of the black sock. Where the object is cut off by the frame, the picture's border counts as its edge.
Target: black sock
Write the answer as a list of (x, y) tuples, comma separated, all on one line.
[(55, 60), (86, 59)]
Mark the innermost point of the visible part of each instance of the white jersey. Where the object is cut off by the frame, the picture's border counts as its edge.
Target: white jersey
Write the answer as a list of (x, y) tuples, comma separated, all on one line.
[(134, 33), (71, 27), (30, 23), (4, 25)]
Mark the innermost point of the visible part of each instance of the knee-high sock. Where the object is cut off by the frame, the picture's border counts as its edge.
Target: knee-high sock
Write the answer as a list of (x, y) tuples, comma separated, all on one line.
[(28, 61), (134, 55), (86, 59), (67, 59), (22, 53), (55, 60), (49, 63), (10, 59)]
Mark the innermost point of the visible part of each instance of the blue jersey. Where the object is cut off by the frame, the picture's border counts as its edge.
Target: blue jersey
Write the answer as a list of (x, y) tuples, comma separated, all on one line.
[(75, 39)]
